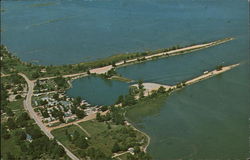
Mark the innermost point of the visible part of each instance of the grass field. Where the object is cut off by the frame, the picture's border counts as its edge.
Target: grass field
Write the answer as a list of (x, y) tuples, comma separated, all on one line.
[(61, 136), (16, 105), (101, 137)]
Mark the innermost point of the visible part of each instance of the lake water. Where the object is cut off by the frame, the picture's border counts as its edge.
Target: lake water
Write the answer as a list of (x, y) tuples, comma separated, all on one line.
[(98, 91), (208, 120), (68, 31)]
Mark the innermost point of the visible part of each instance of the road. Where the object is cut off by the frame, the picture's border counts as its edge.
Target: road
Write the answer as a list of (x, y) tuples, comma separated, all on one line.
[(29, 108)]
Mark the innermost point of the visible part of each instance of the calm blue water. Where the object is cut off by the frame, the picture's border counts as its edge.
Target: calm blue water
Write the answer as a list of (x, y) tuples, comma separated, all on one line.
[(98, 91), (80, 30), (208, 120)]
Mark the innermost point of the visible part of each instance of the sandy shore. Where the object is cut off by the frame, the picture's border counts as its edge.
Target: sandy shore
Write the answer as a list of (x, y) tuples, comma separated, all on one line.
[(212, 73), (150, 87), (101, 70)]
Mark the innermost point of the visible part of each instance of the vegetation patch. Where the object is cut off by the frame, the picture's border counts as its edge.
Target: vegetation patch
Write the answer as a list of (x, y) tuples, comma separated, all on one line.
[(120, 78)]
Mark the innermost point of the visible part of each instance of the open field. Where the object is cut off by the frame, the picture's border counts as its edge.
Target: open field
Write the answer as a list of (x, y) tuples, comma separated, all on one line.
[(103, 137)]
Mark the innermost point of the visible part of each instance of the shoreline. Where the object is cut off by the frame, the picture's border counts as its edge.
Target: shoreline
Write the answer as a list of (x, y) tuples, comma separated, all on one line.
[(128, 123)]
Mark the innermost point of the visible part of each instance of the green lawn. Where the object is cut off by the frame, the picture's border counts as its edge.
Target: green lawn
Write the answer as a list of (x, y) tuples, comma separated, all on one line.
[(100, 135), (18, 104)]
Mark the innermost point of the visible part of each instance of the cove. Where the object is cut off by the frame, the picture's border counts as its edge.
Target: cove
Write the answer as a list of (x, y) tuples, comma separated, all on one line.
[(98, 91)]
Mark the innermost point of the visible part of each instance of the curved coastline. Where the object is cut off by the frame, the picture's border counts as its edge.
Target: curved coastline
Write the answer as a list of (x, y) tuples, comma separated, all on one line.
[(128, 122)]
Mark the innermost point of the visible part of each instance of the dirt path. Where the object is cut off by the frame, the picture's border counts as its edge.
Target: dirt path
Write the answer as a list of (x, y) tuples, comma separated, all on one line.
[(84, 130), (116, 155)]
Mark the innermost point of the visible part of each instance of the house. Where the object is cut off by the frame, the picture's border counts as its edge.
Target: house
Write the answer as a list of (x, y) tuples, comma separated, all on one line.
[(29, 138)]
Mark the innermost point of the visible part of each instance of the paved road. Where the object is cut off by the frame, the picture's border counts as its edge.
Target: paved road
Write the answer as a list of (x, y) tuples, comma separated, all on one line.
[(29, 108)]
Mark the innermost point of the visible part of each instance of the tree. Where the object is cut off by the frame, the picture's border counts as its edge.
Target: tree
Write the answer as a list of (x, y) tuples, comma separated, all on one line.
[(4, 132), (24, 147), (99, 117), (162, 89), (8, 111), (61, 82), (115, 148), (35, 75), (80, 114), (113, 64), (11, 123), (59, 150), (56, 96), (104, 108), (9, 156), (133, 90), (78, 100), (140, 84), (96, 154), (129, 100), (21, 135), (61, 119), (120, 99), (24, 117), (45, 113), (118, 118), (141, 95), (34, 132)]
